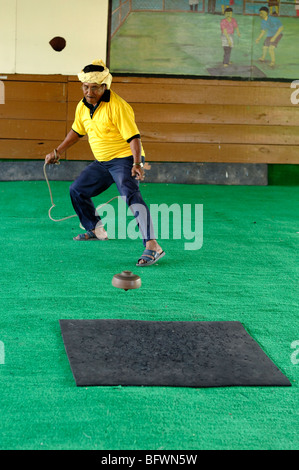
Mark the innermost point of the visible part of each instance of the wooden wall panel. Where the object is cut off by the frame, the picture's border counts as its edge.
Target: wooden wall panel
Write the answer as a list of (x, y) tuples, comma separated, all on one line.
[(179, 119), (24, 77), (216, 114), (195, 93), (26, 149), (33, 117), (205, 94), (194, 152), (219, 133), (27, 110), (208, 113), (35, 91), (31, 129), (228, 153), (80, 151)]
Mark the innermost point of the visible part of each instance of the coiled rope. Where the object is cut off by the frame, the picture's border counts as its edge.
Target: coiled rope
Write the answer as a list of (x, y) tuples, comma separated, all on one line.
[(51, 196)]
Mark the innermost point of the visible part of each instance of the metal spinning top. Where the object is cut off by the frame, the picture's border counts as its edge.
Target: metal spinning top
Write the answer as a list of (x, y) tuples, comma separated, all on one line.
[(126, 280)]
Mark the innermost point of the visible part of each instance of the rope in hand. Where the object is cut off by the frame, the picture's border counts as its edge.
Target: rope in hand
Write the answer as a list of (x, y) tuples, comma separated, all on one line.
[(57, 162)]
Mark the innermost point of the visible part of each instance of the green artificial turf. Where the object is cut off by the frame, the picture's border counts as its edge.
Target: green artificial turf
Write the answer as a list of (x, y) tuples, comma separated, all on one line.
[(246, 270)]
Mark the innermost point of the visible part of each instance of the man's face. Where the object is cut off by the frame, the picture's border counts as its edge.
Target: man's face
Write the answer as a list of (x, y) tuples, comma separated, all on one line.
[(263, 14), (228, 14), (93, 92)]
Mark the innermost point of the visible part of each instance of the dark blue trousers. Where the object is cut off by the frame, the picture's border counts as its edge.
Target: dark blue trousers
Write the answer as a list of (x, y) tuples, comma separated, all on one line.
[(99, 176)]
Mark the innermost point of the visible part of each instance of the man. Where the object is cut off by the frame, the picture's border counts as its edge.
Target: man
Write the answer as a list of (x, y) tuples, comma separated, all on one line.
[(109, 122), (194, 3), (228, 26), (211, 6), (271, 26), (274, 4), (224, 5)]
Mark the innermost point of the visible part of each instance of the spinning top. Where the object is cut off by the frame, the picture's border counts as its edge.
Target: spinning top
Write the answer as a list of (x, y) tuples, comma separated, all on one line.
[(126, 280), (58, 43)]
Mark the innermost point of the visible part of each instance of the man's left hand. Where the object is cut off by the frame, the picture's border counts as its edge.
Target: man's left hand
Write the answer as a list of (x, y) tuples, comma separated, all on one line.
[(137, 172)]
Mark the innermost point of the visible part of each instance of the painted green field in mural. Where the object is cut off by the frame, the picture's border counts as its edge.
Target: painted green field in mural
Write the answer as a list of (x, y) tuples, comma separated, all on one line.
[(184, 44)]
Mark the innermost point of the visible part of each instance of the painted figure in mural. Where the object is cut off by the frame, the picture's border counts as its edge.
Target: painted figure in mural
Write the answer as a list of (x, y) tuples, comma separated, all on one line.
[(297, 7), (114, 138), (224, 5), (193, 5), (272, 27), (274, 7), (228, 25), (211, 6)]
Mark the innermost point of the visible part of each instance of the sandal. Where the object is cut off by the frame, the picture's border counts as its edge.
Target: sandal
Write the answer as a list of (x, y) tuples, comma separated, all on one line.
[(89, 235), (150, 257)]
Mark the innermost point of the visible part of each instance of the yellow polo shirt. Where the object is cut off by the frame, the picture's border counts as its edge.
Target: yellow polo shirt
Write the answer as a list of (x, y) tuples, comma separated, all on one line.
[(109, 128)]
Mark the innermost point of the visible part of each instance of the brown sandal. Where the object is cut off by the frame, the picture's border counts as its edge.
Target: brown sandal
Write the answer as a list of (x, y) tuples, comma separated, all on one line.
[(89, 235)]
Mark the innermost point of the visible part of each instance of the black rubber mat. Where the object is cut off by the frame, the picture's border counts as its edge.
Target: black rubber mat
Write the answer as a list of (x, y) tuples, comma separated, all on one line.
[(235, 70), (166, 353)]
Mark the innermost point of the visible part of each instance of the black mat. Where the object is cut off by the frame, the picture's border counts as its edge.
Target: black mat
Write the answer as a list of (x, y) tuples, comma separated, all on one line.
[(235, 70), (182, 354)]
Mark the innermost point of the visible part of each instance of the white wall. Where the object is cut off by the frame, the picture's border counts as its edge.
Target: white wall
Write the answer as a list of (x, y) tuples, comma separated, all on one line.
[(7, 36), (27, 26)]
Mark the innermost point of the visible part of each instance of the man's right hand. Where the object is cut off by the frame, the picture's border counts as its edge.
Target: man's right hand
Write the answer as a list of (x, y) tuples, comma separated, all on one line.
[(71, 138), (52, 158)]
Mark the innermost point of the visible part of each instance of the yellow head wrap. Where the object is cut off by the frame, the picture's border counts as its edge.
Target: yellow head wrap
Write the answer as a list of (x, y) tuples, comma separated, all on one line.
[(96, 72)]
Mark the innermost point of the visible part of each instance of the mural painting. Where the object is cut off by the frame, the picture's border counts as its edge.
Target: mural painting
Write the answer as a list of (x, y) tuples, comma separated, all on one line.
[(205, 38)]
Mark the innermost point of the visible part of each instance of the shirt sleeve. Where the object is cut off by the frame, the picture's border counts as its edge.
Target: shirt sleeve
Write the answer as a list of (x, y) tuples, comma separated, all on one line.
[(223, 25), (264, 25), (125, 120), (277, 22), (77, 125)]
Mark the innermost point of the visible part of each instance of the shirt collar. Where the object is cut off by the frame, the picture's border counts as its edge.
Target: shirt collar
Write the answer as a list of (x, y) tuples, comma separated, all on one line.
[(105, 97)]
